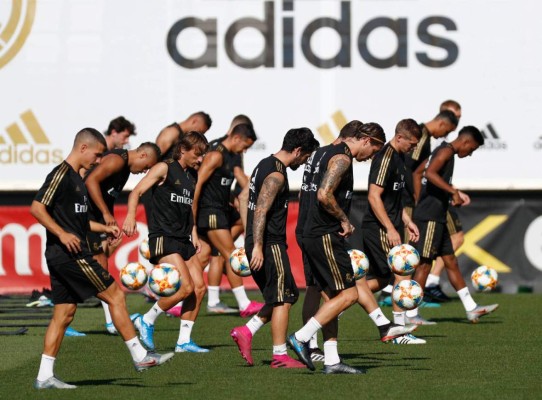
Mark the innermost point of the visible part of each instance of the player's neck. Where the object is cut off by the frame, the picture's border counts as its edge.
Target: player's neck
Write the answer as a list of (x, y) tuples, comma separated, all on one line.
[(228, 143), (73, 162), (284, 157)]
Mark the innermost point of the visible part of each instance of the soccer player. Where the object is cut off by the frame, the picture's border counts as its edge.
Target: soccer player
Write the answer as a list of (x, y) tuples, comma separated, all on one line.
[(214, 213), (61, 206), (196, 122), (104, 184), (385, 216), (265, 245), (433, 291), (313, 292), (118, 133), (173, 237), (326, 227), (430, 216)]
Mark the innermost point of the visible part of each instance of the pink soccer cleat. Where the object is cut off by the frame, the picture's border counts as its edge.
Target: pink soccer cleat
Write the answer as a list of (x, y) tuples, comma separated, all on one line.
[(243, 337), (253, 308), (175, 311), (285, 361)]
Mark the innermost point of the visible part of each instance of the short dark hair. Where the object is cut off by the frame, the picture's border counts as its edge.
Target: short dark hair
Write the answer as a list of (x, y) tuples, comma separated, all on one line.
[(449, 116), (206, 118), (244, 130), (351, 129), (473, 132), (300, 137), (241, 119), (120, 124), (153, 147), (375, 132), (408, 127), (89, 134), (446, 104), (189, 141)]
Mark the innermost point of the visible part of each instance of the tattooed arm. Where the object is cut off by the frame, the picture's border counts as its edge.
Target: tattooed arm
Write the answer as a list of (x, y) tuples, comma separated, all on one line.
[(336, 168), (271, 186)]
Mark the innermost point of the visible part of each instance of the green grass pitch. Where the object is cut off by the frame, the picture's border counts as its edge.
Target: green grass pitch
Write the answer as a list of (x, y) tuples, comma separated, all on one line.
[(501, 357)]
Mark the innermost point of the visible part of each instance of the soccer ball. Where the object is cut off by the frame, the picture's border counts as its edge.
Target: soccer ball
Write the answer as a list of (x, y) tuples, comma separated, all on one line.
[(144, 249), (407, 294), (403, 259), (164, 280), (484, 279), (360, 263), (239, 262), (133, 276)]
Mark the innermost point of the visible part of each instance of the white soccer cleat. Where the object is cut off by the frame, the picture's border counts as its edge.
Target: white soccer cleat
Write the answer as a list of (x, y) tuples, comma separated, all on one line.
[(408, 339), (480, 311), (52, 383)]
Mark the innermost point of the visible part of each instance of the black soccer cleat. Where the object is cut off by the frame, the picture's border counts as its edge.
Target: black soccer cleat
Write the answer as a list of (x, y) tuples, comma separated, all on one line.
[(435, 294), (301, 349), (341, 368)]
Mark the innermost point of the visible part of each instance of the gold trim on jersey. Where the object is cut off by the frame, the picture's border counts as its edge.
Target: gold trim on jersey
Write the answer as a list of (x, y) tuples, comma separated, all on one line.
[(418, 150), (336, 274), (450, 224), (49, 193), (275, 249), (279, 166), (91, 275), (430, 233), (159, 247), (384, 166)]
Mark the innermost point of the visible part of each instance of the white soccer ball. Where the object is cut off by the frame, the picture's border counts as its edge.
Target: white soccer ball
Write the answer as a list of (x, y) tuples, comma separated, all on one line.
[(407, 294), (360, 263), (133, 276), (239, 262), (484, 279), (403, 259), (164, 280), (144, 249)]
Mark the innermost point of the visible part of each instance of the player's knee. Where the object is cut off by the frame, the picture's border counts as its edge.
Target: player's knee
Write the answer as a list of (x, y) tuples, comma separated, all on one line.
[(200, 290), (351, 295)]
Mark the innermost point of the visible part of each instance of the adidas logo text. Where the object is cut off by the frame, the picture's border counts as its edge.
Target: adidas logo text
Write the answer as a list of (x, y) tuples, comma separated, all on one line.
[(492, 139)]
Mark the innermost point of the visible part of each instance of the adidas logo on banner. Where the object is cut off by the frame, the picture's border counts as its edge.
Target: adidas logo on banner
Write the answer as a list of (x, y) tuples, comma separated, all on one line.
[(25, 142), (339, 120), (538, 144), (492, 139)]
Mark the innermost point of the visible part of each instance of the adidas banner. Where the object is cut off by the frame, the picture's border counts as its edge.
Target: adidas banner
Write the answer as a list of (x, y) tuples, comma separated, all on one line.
[(66, 65), (504, 234)]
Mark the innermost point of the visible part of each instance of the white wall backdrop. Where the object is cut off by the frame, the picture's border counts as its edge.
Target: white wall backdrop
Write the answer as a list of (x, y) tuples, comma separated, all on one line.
[(65, 65)]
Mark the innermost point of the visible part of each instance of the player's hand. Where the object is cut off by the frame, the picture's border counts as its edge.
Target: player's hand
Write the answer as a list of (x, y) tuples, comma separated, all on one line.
[(109, 220), (112, 244), (456, 199), (347, 228), (393, 237), (129, 227), (112, 230), (413, 232), (465, 198), (197, 243), (72, 242), (257, 258)]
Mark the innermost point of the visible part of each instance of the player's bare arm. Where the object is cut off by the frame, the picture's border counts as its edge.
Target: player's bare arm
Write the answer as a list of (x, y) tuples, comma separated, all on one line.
[(110, 165), (336, 169), (156, 174), (377, 205), (71, 241), (167, 138), (417, 176), (211, 162), (271, 186), (432, 174), (111, 230), (240, 177)]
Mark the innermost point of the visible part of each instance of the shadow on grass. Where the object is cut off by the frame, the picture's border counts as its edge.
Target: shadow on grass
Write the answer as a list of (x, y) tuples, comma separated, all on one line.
[(116, 382), (465, 321)]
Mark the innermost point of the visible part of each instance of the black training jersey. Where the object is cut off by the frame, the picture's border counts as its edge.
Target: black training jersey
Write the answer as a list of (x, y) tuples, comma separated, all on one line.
[(434, 201), (215, 193), (413, 161), (172, 203), (66, 198), (111, 187), (388, 171), (275, 226), (306, 187), (169, 153), (319, 222)]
